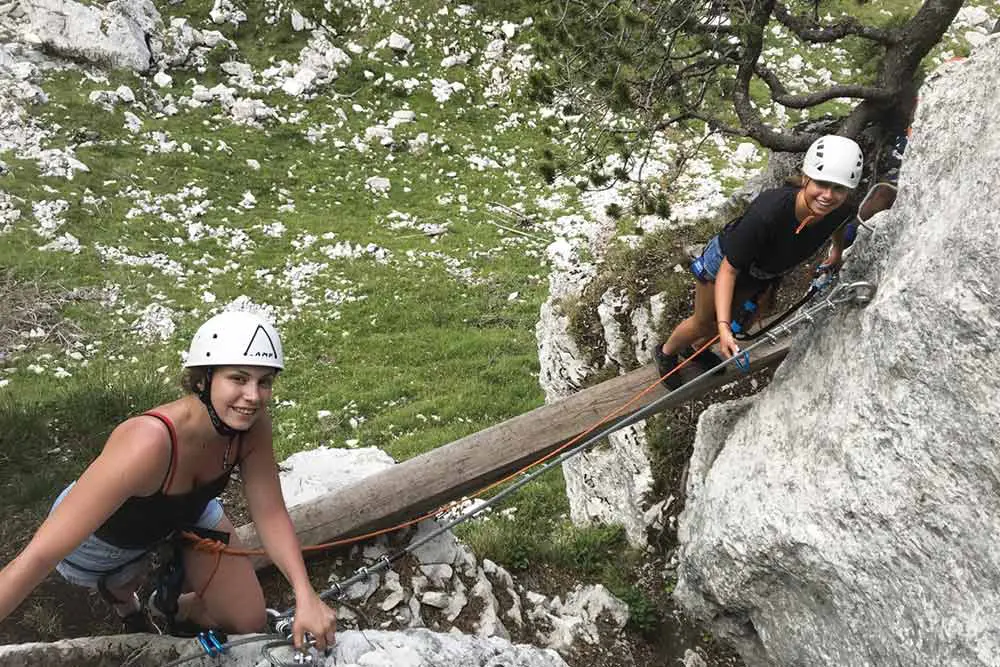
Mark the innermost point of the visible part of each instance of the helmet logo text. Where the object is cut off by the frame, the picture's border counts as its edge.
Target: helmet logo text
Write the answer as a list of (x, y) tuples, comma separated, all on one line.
[(261, 346)]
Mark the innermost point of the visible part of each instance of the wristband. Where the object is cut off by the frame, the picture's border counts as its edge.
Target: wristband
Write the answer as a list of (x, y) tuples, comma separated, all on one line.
[(726, 322)]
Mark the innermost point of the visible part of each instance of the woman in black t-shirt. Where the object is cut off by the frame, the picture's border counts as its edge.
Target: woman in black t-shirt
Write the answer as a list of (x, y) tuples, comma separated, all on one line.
[(780, 230)]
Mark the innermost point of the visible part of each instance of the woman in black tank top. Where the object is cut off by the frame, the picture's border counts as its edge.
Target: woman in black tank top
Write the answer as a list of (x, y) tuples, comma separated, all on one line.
[(160, 473)]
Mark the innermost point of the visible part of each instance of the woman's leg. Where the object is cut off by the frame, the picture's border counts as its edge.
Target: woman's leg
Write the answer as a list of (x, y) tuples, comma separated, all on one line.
[(231, 599), (700, 325)]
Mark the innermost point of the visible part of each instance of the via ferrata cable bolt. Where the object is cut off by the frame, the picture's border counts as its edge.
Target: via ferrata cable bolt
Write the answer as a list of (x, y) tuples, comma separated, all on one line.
[(859, 292)]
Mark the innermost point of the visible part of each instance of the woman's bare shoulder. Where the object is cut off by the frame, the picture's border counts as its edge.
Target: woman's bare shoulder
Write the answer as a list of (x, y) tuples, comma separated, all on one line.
[(139, 436)]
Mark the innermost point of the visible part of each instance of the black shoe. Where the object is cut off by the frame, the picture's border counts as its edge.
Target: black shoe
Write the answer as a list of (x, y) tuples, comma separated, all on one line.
[(138, 621), (708, 360), (665, 363), (166, 625)]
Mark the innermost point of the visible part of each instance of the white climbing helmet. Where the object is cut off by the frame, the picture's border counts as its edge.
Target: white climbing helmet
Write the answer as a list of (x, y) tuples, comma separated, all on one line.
[(236, 338), (836, 159)]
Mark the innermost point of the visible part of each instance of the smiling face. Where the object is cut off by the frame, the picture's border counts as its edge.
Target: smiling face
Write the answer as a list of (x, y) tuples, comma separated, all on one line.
[(823, 197), (239, 393)]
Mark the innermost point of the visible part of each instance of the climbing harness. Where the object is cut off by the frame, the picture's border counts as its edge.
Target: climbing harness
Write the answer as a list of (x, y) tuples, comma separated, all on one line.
[(840, 294), (168, 579), (740, 325)]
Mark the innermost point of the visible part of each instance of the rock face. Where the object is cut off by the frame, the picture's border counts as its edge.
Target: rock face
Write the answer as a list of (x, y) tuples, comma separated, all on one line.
[(848, 514), (608, 485), (117, 35)]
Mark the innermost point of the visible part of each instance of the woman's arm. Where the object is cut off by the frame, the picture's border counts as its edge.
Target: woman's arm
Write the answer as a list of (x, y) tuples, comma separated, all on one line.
[(725, 284), (133, 462), (836, 254), (277, 534)]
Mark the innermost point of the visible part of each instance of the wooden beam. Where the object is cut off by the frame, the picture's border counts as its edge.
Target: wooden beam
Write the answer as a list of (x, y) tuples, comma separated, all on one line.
[(428, 481)]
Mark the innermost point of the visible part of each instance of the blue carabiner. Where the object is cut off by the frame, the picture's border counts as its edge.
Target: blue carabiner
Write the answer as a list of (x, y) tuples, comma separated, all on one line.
[(205, 645), (215, 642), (742, 360), (210, 643)]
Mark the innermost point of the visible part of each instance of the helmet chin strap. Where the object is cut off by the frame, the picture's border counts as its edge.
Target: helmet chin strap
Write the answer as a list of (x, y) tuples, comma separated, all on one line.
[(205, 394)]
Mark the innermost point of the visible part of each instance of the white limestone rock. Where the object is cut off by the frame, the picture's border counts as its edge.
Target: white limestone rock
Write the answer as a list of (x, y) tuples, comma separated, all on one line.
[(502, 579), (125, 94), (396, 594), (400, 43), (114, 35), (380, 132), (489, 623), (436, 599), (458, 601), (249, 111), (494, 50), (226, 11), (401, 116), (361, 591), (163, 80), (371, 648), (576, 619), (612, 485), (614, 304), (416, 619), (442, 550), (379, 185), (856, 496), (133, 123), (455, 60), (316, 472), (10, 212), (439, 574)]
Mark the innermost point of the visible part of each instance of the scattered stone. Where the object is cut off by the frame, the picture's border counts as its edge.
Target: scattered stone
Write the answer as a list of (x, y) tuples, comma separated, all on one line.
[(436, 599), (399, 43), (163, 80), (378, 185)]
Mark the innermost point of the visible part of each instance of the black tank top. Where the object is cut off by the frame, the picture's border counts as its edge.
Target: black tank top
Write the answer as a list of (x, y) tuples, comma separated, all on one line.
[(142, 521)]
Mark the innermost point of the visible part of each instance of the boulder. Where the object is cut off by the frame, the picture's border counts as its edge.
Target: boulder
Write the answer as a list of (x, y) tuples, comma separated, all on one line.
[(848, 514), (116, 35)]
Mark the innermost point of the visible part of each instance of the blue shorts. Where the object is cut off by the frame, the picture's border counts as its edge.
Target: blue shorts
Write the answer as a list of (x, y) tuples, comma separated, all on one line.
[(95, 559), (706, 267)]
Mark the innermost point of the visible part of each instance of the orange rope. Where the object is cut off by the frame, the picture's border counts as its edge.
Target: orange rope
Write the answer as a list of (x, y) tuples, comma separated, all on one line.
[(208, 545)]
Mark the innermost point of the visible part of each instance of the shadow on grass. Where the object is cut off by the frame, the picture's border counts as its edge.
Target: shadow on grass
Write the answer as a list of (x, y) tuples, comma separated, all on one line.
[(48, 436)]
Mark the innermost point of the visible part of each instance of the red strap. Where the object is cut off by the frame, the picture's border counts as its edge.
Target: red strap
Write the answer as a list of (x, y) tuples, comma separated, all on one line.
[(169, 477)]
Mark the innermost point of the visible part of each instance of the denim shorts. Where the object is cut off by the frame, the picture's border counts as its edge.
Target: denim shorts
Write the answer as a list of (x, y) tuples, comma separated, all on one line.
[(95, 559), (706, 267)]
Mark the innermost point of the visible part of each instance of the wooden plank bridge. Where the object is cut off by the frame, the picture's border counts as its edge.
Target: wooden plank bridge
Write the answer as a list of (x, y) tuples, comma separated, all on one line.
[(450, 472)]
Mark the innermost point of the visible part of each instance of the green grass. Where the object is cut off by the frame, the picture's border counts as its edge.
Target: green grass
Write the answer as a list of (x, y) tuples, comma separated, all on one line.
[(50, 432)]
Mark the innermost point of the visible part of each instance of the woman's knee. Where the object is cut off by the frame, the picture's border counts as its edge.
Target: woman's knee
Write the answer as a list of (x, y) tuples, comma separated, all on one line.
[(241, 613), (245, 621)]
